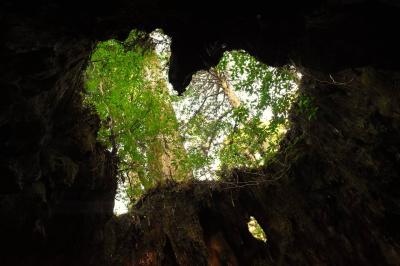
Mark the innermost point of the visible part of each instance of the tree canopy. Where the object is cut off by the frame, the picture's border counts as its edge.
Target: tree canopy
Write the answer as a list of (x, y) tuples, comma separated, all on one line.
[(236, 112), (138, 123), (230, 116)]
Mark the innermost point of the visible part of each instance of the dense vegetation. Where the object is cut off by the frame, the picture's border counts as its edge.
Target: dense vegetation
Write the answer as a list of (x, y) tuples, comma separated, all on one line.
[(231, 116), (236, 112)]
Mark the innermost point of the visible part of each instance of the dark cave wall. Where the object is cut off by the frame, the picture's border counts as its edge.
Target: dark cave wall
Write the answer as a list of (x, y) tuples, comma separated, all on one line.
[(57, 183), (330, 197), (336, 202), (316, 35)]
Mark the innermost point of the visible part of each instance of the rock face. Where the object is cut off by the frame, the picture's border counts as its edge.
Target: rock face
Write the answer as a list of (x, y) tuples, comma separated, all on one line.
[(330, 197), (57, 183)]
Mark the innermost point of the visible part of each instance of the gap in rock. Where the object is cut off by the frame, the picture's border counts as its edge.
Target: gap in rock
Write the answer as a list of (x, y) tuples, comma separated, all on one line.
[(232, 115)]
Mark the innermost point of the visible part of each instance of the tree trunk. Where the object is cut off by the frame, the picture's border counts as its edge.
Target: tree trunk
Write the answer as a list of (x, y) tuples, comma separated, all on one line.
[(166, 150), (226, 86)]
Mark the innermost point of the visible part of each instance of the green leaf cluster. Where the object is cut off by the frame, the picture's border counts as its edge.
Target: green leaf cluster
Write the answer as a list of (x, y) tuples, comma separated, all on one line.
[(125, 88), (245, 136)]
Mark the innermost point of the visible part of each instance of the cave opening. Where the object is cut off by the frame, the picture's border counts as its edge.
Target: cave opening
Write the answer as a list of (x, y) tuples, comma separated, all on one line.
[(256, 229), (230, 116), (329, 195)]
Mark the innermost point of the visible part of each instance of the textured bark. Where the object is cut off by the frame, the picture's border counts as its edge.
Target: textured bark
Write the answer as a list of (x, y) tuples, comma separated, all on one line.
[(227, 88), (167, 150)]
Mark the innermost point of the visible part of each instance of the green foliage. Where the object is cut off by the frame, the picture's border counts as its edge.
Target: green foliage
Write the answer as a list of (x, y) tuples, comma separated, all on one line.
[(246, 135), (231, 116), (306, 106), (134, 108)]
